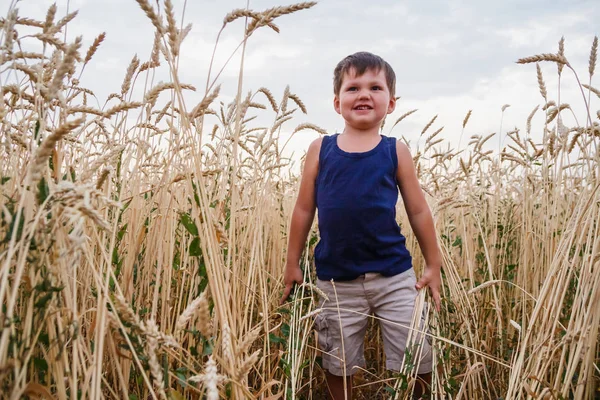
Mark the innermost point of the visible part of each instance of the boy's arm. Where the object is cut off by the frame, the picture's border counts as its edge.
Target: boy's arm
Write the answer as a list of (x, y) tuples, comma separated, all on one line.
[(302, 218), (421, 222)]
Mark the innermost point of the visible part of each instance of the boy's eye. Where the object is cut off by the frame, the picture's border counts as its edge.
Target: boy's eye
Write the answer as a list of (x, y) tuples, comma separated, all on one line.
[(377, 87), (352, 88)]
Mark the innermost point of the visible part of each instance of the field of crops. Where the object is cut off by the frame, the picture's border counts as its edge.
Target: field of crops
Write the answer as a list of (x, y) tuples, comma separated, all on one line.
[(142, 243)]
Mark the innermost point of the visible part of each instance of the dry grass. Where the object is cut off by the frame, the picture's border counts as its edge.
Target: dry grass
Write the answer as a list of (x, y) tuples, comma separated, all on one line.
[(144, 259)]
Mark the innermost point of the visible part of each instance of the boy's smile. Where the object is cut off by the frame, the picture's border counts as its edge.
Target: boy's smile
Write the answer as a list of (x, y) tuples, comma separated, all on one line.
[(364, 101)]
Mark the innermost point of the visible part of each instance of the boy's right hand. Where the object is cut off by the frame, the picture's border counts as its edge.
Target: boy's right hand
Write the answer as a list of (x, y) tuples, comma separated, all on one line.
[(291, 276)]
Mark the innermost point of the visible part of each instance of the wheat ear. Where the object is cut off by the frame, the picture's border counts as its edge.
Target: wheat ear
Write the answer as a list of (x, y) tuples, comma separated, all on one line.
[(65, 66), (94, 47), (171, 28), (544, 57), (541, 84), (561, 52), (206, 101), (152, 347), (246, 365), (428, 125), (311, 127), (149, 10), (50, 14), (593, 56), (45, 150), (189, 312)]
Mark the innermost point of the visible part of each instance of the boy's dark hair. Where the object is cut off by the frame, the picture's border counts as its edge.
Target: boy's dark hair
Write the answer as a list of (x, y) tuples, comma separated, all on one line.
[(361, 62)]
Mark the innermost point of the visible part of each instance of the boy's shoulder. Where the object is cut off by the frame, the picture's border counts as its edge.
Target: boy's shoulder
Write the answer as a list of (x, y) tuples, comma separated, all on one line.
[(315, 145)]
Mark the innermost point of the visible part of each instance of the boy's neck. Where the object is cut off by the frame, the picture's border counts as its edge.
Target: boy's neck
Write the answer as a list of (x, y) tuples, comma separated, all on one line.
[(369, 133), (358, 141)]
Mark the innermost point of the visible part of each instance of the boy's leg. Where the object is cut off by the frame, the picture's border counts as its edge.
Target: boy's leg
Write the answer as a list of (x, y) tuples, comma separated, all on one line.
[(394, 303), (422, 385), (341, 328), (335, 387)]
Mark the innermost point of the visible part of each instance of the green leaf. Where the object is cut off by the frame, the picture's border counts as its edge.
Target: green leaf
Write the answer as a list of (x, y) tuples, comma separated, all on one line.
[(4, 179), (285, 330), (36, 131), (195, 249), (390, 390), (43, 191), (41, 303), (276, 339), (189, 224), (44, 339), (12, 226), (196, 197), (207, 348), (40, 364), (122, 232), (115, 256)]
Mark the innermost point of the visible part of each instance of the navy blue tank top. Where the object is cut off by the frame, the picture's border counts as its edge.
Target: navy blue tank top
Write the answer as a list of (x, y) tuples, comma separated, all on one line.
[(356, 195)]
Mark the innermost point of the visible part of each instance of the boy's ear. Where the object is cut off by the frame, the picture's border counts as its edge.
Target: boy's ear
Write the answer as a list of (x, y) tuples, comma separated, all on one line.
[(336, 104), (391, 105)]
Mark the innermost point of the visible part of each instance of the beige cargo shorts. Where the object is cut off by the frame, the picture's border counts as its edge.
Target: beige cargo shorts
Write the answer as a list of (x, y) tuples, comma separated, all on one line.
[(342, 324)]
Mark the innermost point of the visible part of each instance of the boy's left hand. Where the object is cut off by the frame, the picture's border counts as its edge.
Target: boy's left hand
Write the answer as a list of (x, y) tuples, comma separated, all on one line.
[(431, 278)]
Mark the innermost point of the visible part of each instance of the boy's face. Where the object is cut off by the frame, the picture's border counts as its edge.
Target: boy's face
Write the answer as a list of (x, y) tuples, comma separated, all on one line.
[(364, 101)]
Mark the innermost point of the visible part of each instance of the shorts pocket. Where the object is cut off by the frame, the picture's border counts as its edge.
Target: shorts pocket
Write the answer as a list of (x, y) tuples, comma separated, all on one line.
[(323, 335)]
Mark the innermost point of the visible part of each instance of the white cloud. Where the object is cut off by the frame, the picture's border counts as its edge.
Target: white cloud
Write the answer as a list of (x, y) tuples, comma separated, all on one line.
[(449, 56), (542, 30)]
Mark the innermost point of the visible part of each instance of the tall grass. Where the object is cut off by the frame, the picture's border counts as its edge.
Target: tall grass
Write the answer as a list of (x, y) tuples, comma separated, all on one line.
[(142, 243)]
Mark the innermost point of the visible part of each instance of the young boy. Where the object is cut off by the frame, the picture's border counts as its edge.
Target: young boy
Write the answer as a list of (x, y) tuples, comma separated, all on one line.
[(353, 179)]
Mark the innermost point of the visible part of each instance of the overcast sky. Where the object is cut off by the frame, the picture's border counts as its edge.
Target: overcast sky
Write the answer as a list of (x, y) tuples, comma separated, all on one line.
[(449, 56)]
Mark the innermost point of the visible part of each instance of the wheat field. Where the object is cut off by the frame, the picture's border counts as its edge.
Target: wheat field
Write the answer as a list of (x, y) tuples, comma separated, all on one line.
[(142, 243)]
